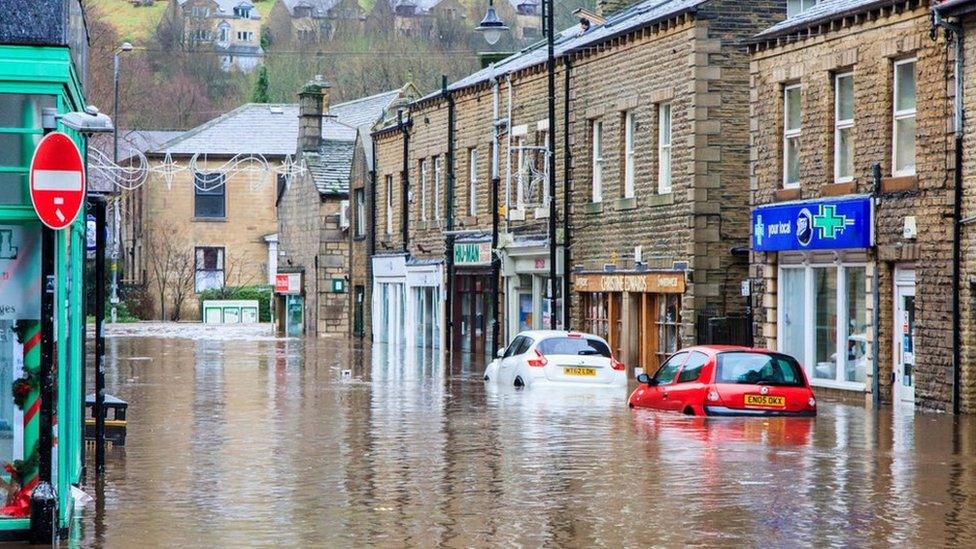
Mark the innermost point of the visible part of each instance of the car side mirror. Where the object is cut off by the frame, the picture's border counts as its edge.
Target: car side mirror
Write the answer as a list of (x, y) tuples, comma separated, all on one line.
[(500, 353), (645, 379)]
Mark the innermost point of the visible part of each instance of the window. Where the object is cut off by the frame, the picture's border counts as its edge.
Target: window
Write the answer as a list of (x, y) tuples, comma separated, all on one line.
[(200, 11), (209, 268), (513, 346), (423, 190), (791, 136), (224, 33), (904, 118), (668, 324), (596, 130), (664, 149), (521, 171), (209, 199), (692, 369), (629, 131), (245, 36), (596, 314), (242, 12), (437, 189), (20, 132), (756, 368), (473, 181), (576, 346), (665, 374), (796, 7), (843, 127), (389, 204), (360, 212), (832, 300)]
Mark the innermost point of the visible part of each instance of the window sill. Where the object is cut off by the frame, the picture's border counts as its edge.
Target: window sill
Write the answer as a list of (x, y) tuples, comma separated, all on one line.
[(209, 220), (838, 189), (593, 208), (899, 184), (792, 193), (661, 200), (623, 204), (359, 238)]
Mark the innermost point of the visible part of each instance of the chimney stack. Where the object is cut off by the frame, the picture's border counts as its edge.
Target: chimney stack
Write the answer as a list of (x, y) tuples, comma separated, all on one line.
[(313, 105)]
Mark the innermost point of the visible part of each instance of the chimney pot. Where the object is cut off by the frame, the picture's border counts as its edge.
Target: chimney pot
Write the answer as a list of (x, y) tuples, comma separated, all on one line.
[(313, 105)]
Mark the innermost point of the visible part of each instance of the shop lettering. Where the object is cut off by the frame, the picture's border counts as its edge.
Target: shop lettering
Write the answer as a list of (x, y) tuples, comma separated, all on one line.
[(468, 254), (783, 227), (628, 283), (7, 310)]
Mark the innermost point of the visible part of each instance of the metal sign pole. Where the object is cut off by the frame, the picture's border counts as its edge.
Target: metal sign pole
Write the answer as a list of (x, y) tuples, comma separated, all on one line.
[(99, 336)]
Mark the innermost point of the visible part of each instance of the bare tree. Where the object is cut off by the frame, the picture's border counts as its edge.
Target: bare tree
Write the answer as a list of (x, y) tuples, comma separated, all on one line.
[(183, 284), (171, 268)]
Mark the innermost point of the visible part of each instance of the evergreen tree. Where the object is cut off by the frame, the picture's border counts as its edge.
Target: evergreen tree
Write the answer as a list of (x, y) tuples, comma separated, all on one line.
[(260, 93)]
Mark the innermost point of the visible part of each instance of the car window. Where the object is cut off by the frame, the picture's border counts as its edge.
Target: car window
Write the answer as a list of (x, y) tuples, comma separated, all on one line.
[(524, 346), (665, 374), (692, 369), (578, 346), (513, 346), (758, 369)]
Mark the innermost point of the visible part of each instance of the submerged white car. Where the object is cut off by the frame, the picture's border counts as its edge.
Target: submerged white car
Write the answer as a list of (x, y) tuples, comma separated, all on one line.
[(556, 357)]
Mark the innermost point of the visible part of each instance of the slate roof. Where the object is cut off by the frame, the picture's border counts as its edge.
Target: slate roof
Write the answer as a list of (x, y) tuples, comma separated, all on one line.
[(272, 129), (569, 40), (331, 166), (226, 7), (423, 6), (823, 11), (319, 7)]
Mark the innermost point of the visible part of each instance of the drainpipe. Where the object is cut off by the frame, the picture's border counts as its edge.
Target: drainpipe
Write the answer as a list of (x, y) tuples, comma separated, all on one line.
[(567, 194), (876, 302), (956, 31), (449, 208), (371, 228), (405, 202), (496, 259)]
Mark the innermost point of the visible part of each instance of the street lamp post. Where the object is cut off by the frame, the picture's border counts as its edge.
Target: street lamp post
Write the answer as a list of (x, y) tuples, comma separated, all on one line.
[(117, 218), (492, 27)]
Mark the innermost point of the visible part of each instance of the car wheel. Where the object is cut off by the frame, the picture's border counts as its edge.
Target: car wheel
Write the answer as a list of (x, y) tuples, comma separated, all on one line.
[(689, 411), (519, 383)]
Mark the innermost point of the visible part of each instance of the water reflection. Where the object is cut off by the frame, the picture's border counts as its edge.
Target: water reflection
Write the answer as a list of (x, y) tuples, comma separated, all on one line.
[(267, 442)]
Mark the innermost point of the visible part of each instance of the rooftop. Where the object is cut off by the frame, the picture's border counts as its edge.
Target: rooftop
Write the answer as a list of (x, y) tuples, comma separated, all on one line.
[(822, 12)]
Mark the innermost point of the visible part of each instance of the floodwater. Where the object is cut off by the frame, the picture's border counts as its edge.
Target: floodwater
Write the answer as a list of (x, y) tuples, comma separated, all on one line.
[(257, 441)]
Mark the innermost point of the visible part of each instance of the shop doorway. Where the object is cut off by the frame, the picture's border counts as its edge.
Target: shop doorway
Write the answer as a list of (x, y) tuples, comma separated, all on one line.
[(904, 335), (472, 307)]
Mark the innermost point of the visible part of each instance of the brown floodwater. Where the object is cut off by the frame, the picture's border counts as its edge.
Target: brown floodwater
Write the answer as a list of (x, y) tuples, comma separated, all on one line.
[(268, 442)]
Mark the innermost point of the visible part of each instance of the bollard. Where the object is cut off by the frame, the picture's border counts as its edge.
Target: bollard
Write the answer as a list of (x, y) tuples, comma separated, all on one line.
[(44, 504)]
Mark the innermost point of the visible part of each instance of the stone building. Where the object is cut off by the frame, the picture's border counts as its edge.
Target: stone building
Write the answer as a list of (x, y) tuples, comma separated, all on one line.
[(307, 22), (206, 224), (315, 215), (853, 270), (652, 243), (231, 28)]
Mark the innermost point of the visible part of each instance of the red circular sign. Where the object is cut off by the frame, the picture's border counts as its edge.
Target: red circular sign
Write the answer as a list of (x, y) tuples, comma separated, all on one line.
[(57, 180)]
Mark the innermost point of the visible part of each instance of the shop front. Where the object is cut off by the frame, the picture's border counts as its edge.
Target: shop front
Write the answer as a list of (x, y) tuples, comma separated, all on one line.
[(819, 254), (290, 303), (390, 299), (526, 275), (638, 313), (425, 305), (472, 299)]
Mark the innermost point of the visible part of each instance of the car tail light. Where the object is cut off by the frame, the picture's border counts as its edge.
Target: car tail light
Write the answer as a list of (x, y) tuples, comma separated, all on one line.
[(712, 396), (617, 365), (538, 362), (812, 403)]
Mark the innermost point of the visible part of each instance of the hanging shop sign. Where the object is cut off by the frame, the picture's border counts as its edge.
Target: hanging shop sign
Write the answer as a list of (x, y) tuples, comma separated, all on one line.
[(829, 224), (288, 283), (472, 253), (656, 283)]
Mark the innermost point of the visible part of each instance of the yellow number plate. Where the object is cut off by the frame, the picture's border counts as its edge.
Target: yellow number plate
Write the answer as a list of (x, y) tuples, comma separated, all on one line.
[(763, 400), (580, 372)]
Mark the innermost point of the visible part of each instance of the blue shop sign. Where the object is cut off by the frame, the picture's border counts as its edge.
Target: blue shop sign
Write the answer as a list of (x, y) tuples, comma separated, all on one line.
[(829, 224)]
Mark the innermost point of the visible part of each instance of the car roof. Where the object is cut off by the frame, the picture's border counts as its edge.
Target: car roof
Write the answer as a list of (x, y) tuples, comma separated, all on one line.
[(715, 349), (539, 334)]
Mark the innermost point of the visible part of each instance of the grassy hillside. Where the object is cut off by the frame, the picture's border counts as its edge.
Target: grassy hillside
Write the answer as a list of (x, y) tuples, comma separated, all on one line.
[(133, 24)]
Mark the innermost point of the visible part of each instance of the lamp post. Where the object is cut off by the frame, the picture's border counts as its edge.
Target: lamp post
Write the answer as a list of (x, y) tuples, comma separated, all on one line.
[(492, 27), (117, 218)]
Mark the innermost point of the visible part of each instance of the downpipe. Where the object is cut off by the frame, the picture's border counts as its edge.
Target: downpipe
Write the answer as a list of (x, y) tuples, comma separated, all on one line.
[(449, 210), (567, 194), (495, 255)]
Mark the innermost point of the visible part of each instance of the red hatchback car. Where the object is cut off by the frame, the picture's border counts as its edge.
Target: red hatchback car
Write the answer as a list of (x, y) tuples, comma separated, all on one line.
[(715, 380)]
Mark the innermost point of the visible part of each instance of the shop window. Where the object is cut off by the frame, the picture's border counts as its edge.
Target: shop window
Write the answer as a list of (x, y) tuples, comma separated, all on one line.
[(209, 268), (664, 149), (20, 132), (832, 300), (791, 136), (209, 196), (693, 367), (668, 324), (904, 118), (596, 310), (844, 127)]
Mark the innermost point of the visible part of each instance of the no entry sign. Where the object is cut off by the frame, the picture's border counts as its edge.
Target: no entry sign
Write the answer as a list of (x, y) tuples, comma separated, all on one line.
[(57, 180)]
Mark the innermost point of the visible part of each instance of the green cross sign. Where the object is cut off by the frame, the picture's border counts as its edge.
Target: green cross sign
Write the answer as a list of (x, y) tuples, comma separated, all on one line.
[(829, 223)]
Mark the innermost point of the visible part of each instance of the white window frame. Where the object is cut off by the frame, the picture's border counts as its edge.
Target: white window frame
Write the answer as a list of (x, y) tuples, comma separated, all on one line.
[(360, 199), (807, 361), (664, 175), (423, 189), (473, 181), (389, 204), (596, 131), (840, 125), (437, 189), (789, 134), (520, 163), (902, 115), (796, 7), (629, 123)]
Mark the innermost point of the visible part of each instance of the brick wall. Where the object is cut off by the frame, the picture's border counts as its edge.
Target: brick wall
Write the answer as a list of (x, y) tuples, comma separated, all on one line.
[(868, 47)]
